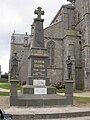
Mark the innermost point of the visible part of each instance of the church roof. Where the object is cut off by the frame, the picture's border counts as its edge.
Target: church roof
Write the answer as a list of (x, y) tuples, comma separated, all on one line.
[(70, 6), (19, 38)]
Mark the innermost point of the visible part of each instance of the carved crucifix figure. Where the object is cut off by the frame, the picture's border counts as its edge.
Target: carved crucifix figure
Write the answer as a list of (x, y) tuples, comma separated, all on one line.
[(39, 12)]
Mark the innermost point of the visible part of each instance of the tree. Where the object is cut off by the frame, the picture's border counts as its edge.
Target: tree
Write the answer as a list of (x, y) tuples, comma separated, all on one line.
[(5, 75)]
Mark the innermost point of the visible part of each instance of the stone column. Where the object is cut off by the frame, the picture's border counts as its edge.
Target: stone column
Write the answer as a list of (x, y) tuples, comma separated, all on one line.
[(87, 44), (87, 68)]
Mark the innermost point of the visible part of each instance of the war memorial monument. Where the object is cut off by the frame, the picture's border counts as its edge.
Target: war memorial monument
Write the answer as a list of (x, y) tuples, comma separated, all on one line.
[(37, 92), (67, 35)]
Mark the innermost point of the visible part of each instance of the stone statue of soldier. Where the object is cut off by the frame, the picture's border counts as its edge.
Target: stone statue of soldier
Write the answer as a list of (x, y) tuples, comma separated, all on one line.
[(69, 68), (14, 66)]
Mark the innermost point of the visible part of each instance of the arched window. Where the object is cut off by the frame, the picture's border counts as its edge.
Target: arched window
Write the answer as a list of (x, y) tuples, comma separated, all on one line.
[(51, 47)]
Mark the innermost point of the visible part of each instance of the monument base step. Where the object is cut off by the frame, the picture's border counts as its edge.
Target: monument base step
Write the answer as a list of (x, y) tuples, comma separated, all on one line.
[(22, 113), (40, 100)]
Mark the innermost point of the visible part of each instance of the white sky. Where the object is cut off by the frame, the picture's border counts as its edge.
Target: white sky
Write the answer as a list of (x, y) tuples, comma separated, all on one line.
[(18, 15)]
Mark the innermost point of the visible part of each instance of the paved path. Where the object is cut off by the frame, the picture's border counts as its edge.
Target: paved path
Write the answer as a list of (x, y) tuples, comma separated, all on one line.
[(47, 110), (50, 112), (76, 118), (4, 90), (81, 94)]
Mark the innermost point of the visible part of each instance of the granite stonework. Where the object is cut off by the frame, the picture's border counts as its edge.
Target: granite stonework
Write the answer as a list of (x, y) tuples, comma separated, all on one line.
[(37, 92), (69, 32)]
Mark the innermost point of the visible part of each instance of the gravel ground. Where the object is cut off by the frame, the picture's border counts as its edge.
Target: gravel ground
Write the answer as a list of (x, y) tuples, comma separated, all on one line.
[(4, 102)]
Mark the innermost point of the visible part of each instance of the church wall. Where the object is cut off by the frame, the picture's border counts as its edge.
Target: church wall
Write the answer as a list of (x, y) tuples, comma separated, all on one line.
[(20, 50), (50, 31), (66, 21), (55, 72), (68, 17), (23, 74), (82, 9), (79, 77)]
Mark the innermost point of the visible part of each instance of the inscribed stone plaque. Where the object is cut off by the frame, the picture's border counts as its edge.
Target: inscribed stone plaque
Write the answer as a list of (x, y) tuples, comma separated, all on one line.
[(40, 91), (39, 82)]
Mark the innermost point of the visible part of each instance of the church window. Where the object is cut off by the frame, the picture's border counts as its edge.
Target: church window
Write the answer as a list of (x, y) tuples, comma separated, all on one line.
[(80, 42), (51, 48), (32, 27)]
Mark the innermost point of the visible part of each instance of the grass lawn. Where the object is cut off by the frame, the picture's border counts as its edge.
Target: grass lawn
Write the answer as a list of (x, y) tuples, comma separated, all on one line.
[(82, 99), (4, 93), (7, 86)]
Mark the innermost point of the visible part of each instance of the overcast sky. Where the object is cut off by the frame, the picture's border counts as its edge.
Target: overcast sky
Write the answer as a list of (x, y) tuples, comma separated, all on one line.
[(18, 15)]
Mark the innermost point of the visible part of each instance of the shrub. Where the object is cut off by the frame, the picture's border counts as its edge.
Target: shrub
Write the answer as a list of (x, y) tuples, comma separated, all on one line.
[(23, 82), (59, 85)]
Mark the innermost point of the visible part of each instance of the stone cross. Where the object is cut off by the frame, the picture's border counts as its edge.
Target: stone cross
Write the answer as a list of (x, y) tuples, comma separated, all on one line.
[(39, 12)]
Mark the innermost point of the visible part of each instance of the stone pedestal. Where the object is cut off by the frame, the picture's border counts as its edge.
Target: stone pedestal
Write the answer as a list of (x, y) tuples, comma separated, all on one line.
[(13, 87), (69, 91), (13, 92)]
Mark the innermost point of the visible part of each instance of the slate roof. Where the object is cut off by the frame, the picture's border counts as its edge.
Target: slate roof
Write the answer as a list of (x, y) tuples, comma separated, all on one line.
[(19, 38)]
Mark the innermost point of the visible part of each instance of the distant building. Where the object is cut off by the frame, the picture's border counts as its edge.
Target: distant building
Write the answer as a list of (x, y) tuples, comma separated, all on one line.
[(67, 35)]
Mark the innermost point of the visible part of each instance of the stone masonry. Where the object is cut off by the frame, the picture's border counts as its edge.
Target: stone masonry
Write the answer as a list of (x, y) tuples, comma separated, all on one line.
[(67, 35), (37, 92)]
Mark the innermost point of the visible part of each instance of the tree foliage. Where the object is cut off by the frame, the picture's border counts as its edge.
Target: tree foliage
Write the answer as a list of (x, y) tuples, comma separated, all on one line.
[(5, 75)]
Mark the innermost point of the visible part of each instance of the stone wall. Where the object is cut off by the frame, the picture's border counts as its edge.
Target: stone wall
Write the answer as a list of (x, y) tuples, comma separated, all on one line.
[(55, 72), (82, 9), (23, 73)]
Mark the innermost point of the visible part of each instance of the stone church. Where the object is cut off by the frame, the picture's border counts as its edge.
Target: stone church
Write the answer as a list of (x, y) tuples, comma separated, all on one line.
[(67, 35)]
